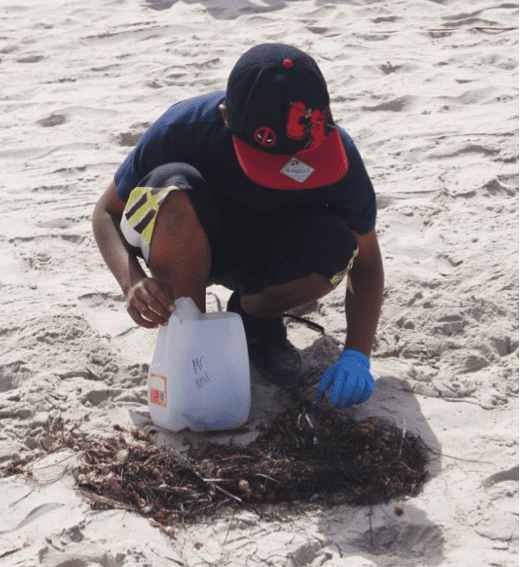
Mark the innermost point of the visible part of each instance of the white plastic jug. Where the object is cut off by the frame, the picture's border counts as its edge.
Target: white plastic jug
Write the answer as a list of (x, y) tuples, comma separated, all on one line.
[(199, 376)]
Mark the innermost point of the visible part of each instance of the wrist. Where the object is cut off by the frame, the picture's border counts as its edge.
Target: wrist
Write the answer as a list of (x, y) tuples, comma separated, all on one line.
[(132, 280), (356, 356)]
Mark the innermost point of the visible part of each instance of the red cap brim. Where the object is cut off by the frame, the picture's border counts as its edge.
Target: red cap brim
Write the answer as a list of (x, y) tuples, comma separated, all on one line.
[(318, 167)]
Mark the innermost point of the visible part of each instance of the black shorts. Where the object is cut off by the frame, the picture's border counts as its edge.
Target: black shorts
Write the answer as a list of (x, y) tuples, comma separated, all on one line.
[(250, 250)]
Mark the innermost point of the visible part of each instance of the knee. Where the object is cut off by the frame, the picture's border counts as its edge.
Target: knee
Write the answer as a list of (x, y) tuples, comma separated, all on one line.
[(194, 200), (181, 175), (319, 284), (178, 240), (177, 225), (177, 207)]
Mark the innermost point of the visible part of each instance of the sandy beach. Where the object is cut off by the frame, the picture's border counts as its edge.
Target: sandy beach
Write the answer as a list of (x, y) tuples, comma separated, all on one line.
[(428, 90)]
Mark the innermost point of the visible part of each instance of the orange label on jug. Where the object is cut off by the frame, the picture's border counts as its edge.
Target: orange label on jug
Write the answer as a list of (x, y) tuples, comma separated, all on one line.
[(158, 388)]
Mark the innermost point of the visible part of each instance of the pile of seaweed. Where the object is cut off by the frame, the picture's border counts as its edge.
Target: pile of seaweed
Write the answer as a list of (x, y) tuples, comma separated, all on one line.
[(310, 452)]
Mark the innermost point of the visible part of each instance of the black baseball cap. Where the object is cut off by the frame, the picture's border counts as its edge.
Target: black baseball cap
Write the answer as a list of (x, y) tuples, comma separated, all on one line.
[(279, 113)]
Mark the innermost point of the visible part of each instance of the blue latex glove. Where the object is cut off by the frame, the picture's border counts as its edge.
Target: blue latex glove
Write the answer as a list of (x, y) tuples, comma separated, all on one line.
[(349, 380)]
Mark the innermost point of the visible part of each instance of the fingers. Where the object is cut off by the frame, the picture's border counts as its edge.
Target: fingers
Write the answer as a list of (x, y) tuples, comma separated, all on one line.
[(352, 395), (149, 303), (343, 388), (348, 386), (326, 381), (136, 316), (140, 311), (160, 294), (363, 388), (369, 388)]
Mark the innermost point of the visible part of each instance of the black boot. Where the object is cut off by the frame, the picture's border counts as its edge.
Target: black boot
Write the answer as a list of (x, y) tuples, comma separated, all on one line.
[(274, 356)]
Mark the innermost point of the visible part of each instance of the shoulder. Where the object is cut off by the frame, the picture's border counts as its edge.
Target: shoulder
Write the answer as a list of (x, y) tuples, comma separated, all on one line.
[(184, 132), (357, 173), (203, 109), (348, 143), (188, 123)]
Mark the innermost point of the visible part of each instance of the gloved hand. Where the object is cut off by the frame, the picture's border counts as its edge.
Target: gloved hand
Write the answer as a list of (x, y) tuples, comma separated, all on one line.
[(349, 380)]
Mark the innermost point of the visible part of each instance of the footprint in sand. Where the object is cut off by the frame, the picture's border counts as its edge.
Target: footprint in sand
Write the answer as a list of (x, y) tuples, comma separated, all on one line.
[(106, 313), (45, 261), (30, 59), (52, 120)]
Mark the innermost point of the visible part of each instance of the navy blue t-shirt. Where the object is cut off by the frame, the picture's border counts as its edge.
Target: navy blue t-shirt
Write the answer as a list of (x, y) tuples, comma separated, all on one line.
[(193, 132)]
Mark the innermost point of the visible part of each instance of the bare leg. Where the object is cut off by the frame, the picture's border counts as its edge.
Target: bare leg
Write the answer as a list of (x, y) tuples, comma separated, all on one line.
[(272, 301), (180, 255)]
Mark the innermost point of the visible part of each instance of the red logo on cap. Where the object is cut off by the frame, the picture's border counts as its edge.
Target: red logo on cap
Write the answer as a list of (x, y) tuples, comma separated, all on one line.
[(296, 121), (304, 122), (265, 137), (287, 63)]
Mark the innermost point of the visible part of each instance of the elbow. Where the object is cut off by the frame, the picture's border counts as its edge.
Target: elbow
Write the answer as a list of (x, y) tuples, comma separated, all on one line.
[(97, 215)]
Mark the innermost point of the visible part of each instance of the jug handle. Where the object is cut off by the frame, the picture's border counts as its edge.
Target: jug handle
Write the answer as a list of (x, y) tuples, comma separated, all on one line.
[(185, 308)]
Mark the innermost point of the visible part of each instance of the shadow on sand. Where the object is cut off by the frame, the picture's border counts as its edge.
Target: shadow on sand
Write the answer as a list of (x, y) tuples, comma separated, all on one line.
[(370, 531), (231, 9)]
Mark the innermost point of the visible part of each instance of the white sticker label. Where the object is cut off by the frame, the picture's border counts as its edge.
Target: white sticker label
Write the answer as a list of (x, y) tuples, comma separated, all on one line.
[(297, 170), (158, 389)]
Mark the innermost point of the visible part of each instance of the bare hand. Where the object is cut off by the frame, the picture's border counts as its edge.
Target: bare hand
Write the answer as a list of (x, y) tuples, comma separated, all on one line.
[(150, 303)]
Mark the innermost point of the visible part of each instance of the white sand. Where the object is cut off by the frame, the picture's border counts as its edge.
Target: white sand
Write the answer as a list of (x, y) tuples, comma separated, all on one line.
[(428, 90)]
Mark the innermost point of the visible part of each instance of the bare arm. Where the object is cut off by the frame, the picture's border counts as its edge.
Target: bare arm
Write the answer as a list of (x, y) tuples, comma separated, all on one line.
[(148, 300), (105, 222), (363, 306)]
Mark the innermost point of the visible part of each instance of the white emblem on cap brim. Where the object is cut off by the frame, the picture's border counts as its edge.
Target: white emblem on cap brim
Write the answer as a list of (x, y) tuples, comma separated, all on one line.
[(297, 170)]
